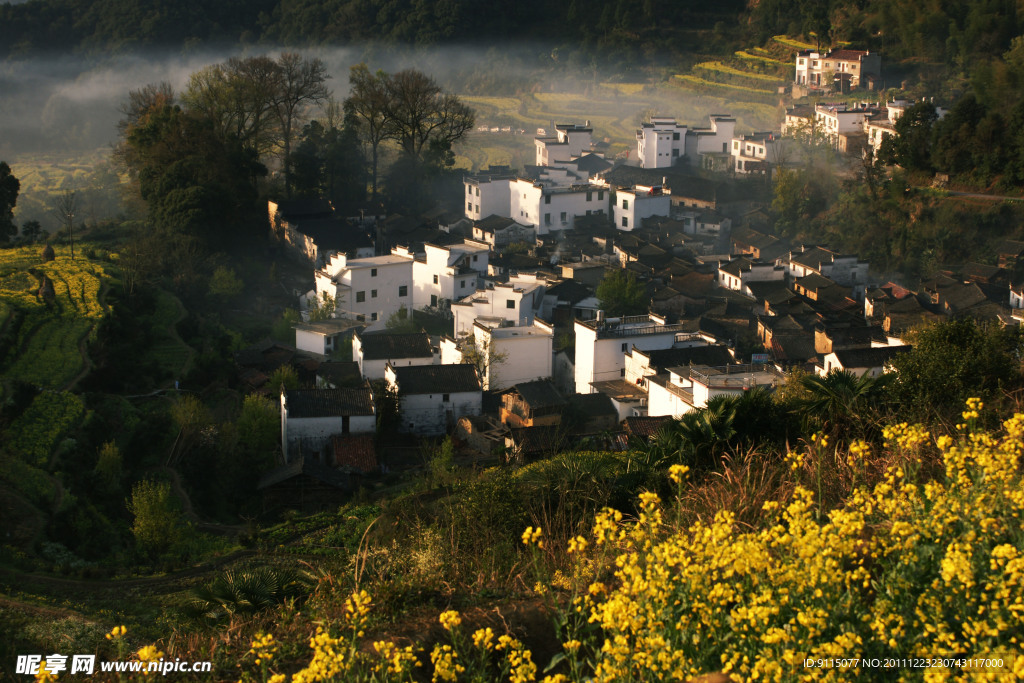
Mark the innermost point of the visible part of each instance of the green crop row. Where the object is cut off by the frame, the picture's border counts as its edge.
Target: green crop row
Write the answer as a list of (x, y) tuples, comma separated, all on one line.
[(33, 436)]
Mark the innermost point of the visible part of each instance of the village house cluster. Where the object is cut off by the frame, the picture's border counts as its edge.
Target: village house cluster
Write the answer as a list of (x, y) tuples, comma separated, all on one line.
[(530, 358)]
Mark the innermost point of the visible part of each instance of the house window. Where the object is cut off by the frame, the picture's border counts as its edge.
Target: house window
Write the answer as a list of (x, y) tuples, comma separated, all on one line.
[(600, 195), (462, 284), (373, 272), (433, 299), (478, 208), (360, 297), (373, 293), (469, 190), (625, 347), (625, 203), (469, 206), (590, 196), (510, 303), (478, 192), (563, 216), (675, 136), (675, 152), (446, 398), (475, 257), (547, 219), (361, 318), (403, 290), (547, 198), (622, 372), (373, 316), (435, 279), (625, 222)]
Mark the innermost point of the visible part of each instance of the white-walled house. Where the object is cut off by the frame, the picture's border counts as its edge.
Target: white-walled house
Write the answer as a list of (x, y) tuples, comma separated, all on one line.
[(686, 389), (373, 351), (499, 231), (367, 289), (310, 417), (738, 272), (548, 202), (432, 398), (443, 274), (515, 301), (813, 67), (515, 354), (568, 142), (835, 120), (756, 152), (486, 195), (322, 337), (602, 345), (843, 269), (634, 204), (870, 361), (662, 141)]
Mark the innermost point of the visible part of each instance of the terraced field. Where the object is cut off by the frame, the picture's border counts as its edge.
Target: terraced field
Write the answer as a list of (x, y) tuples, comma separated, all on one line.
[(44, 339)]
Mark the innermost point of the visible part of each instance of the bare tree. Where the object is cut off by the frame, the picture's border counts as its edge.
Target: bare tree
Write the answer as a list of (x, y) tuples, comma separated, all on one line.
[(367, 103), (143, 100), (65, 205), (239, 98), (421, 113), (302, 82)]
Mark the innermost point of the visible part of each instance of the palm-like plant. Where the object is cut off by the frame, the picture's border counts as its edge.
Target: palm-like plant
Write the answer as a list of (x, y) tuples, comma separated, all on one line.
[(246, 592), (840, 396)]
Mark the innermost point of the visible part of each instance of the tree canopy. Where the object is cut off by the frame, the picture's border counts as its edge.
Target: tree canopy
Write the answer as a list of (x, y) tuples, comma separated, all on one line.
[(9, 187), (621, 293)]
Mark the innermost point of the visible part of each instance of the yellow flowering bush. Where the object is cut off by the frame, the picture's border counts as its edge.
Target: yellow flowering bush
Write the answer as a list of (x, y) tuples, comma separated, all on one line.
[(910, 569)]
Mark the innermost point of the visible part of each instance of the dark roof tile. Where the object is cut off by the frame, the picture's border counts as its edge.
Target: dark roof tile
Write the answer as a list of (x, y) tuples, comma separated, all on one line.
[(436, 379), (304, 403)]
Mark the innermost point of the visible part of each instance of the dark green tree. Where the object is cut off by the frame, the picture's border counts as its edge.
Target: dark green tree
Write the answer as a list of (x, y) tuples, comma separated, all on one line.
[(9, 187), (328, 162), (952, 361), (840, 399), (620, 293), (911, 146)]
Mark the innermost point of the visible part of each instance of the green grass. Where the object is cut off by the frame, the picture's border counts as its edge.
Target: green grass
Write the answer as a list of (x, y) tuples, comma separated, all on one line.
[(719, 67), (701, 82), (793, 43)]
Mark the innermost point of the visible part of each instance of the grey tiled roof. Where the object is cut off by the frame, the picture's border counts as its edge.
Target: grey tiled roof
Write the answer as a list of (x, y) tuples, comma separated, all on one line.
[(329, 402), (437, 379), (385, 345)]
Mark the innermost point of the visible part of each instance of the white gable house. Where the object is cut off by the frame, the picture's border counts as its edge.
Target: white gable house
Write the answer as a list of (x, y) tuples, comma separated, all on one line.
[(366, 289)]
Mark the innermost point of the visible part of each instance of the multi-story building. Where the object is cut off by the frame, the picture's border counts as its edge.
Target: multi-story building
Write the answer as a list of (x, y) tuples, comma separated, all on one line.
[(442, 274), (366, 289), (834, 121), (602, 345), (662, 141), (509, 354), (515, 301), (549, 202), (818, 69), (568, 142), (756, 152), (686, 389), (843, 269)]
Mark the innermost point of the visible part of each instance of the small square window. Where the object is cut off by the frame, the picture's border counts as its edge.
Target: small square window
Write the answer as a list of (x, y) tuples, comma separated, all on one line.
[(373, 293), (469, 206), (360, 297), (625, 347), (622, 372), (403, 290), (446, 398), (462, 284), (625, 222), (547, 198), (469, 190), (373, 316), (373, 272), (563, 216), (510, 303), (547, 219), (476, 257), (435, 279), (590, 195), (625, 203)]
